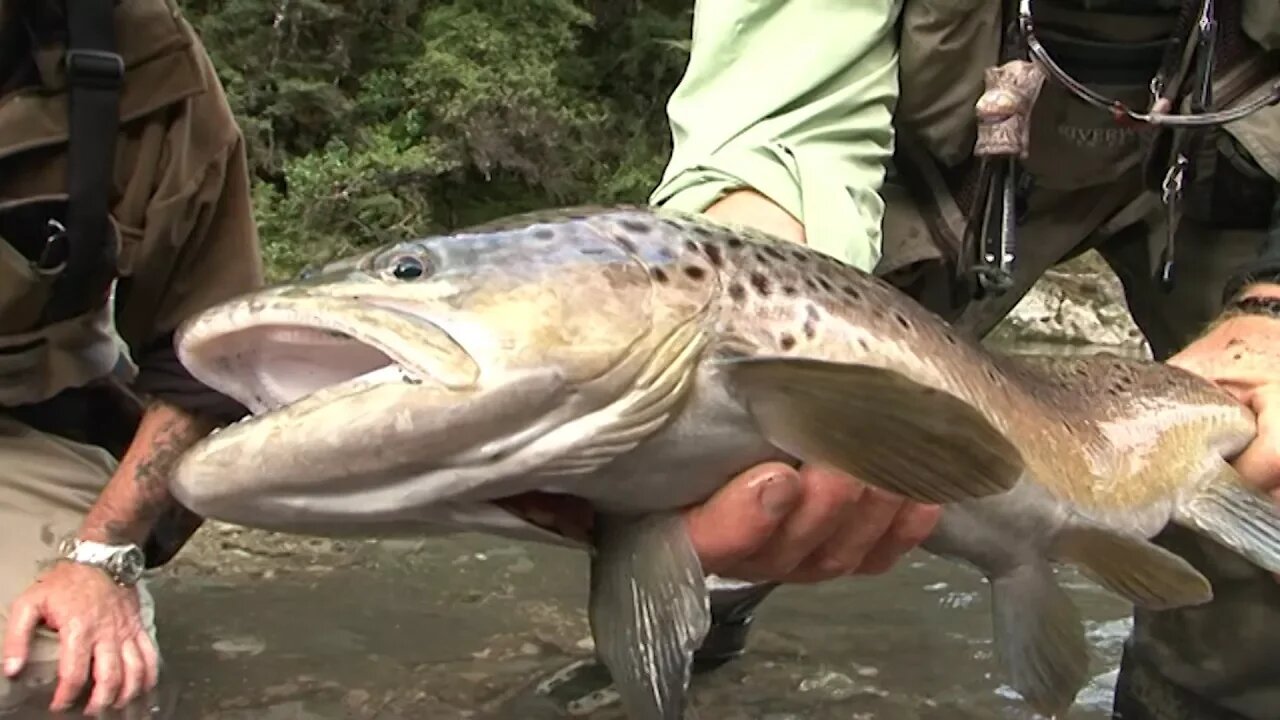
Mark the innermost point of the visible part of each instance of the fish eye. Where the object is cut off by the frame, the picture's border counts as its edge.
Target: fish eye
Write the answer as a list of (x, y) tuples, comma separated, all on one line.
[(408, 267)]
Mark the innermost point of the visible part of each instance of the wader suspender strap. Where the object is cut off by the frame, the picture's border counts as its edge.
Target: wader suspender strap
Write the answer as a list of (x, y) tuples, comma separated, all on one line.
[(95, 73)]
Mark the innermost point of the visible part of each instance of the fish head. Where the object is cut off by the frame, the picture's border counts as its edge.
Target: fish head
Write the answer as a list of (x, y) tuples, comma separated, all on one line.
[(401, 382)]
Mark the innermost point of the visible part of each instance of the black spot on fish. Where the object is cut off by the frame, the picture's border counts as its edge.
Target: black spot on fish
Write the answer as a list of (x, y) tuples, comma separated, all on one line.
[(991, 374), (734, 242), (714, 254), (826, 284), (760, 283), (691, 246), (737, 292), (950, 337), (775, 253), (852, 292), (811, 321), (659, 274), (627, 244), (788, 341), (694, 272), (800, 255), (902, 320), (761, 257), (674, 225), (702, 231), (789, 290), (862, 343), (544, 233), (636, 226)]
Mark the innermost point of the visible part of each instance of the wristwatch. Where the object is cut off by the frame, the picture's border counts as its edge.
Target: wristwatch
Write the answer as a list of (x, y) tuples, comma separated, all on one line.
[(124, 563)]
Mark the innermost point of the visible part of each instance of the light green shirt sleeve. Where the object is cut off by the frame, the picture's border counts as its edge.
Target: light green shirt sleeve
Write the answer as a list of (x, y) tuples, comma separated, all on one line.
[(794, 100)]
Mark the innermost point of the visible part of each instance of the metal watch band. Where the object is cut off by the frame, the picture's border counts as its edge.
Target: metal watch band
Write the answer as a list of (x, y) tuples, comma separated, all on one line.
[(123, 563)]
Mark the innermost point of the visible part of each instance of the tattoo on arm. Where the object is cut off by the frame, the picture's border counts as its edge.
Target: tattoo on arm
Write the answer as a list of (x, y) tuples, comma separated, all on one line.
[(138, 494)]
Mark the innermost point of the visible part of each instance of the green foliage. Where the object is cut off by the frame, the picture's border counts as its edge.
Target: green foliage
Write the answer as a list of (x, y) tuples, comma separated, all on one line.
[(373, 120)]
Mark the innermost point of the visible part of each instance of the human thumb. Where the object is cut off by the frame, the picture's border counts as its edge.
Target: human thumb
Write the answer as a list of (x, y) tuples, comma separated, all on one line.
[(741, 517), (1259, 464)]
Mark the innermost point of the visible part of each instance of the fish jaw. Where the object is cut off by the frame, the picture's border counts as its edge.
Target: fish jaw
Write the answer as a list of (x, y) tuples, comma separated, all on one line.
[(334, 402)]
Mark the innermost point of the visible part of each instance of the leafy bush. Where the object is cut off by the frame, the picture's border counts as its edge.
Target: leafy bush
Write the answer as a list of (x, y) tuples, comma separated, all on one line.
[(374, 120)]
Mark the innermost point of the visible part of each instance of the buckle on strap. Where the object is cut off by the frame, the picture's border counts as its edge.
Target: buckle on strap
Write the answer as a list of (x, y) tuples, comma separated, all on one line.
[(94, 69)]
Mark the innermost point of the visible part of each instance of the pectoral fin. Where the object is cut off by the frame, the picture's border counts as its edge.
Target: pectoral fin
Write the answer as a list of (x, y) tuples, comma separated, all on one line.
[(1237, 516), (1039, 638), (1134, 568), (879, 426), (648, 609)]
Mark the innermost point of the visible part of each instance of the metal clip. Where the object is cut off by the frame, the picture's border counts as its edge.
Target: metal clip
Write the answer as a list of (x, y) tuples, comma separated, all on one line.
[(1206, 48), (53, 253), (1171, 196), (993, 273)]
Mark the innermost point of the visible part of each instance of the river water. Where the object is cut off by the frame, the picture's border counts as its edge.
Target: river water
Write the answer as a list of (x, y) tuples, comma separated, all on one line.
[(257, 626)]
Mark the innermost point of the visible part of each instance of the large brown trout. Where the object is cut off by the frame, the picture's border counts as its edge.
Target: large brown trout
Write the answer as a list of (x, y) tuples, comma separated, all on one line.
[(637, 359)]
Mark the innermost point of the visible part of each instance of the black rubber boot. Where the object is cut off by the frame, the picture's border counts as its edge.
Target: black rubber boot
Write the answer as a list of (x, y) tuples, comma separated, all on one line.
[(732, 611)]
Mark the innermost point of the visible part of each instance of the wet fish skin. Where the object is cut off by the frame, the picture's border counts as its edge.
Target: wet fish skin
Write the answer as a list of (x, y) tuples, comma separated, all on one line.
[(637, 358)]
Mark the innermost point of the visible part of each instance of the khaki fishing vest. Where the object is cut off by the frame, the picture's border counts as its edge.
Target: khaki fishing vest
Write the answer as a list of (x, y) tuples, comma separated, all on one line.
[(43, 353), (946, 45)]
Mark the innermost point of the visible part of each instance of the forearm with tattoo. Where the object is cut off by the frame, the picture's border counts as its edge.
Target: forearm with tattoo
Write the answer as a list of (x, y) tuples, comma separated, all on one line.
[(131, 503)]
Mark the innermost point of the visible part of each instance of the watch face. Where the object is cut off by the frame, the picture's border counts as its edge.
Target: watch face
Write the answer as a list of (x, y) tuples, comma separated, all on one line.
[(131, 564)]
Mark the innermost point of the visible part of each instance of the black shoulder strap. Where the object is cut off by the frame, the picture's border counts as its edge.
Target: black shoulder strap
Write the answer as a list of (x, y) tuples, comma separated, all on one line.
[(95, 74)]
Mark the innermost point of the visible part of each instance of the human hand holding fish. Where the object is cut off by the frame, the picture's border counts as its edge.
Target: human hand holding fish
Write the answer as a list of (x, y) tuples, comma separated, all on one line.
[(1241, 354), (775, 523)]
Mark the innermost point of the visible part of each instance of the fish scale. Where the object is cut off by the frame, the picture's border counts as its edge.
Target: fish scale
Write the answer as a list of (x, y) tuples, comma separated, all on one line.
[(638, 358)]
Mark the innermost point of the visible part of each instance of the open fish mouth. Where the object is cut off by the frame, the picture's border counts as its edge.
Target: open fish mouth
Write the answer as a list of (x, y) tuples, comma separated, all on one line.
[(271, 367), (335, 366), (268, 352)]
